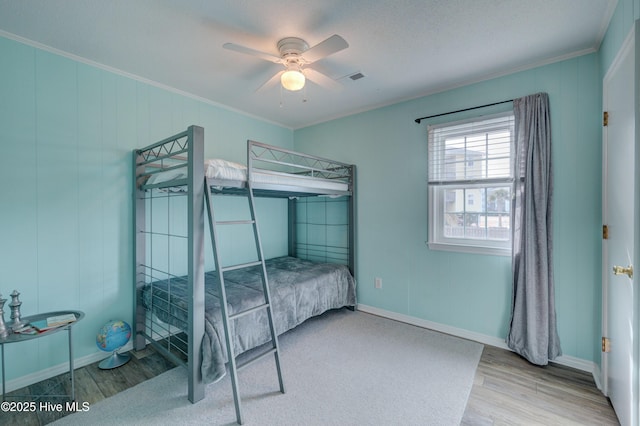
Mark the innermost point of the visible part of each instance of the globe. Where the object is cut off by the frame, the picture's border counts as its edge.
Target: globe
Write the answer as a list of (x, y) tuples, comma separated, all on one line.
[(111, 337)]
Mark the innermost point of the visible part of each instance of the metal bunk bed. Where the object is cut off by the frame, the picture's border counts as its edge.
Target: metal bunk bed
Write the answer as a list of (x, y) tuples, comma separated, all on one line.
[(172, 176)]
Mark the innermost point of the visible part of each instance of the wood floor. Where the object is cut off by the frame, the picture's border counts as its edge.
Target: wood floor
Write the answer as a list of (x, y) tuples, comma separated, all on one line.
[(510, 391), (92, 385), (507, 391)]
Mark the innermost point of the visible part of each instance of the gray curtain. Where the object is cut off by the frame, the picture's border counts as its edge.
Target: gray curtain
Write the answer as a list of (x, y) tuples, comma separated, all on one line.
[(533, 332)]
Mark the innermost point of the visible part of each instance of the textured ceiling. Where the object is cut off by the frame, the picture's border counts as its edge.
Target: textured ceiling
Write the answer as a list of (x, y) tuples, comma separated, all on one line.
[(405, 48)]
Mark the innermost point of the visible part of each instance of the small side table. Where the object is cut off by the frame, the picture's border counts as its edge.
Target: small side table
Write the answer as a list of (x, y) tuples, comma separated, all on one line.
[(18, 337)]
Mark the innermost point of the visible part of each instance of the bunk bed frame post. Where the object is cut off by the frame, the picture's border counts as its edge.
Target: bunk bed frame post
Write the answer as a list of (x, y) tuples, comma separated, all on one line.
[(139, 251), (195, 202), (291, 220), (352, 223)]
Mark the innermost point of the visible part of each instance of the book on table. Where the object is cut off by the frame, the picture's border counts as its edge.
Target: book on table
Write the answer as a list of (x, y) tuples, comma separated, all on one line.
[(26, 329), (53, 322)]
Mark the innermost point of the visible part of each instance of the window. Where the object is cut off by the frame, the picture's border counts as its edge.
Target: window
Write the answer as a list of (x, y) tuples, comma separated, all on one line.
[(470, 184)]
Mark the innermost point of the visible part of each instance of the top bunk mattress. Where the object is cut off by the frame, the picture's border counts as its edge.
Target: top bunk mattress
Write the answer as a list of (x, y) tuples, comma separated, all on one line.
[(227, 174)]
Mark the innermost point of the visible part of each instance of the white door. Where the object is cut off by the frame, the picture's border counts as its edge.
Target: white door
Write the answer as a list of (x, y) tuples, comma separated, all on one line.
[(619, 195)]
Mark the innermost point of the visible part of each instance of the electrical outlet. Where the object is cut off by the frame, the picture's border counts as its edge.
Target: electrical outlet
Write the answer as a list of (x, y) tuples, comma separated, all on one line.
[(377, 282)]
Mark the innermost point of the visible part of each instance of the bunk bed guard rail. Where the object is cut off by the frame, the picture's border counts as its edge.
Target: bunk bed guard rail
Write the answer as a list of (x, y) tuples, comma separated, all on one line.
[(275, 161)]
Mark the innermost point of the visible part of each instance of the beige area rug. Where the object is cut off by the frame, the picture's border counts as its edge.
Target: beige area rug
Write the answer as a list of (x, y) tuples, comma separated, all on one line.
[(342, 368)]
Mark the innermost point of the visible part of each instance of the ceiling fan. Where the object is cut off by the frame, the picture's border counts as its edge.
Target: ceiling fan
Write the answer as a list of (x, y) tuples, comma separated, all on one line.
[(295, 56)]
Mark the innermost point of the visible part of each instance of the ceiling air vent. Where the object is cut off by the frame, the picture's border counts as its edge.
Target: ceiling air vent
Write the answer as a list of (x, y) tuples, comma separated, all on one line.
[(356, 76)]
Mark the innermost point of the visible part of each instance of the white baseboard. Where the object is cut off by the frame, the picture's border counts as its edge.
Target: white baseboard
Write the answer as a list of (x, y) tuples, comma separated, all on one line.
[(569, 361), (38, 376), (443, 328)]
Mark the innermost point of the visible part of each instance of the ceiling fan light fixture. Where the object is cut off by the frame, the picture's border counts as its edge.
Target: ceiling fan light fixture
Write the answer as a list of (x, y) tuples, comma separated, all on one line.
[(292, 80), (295, 54)]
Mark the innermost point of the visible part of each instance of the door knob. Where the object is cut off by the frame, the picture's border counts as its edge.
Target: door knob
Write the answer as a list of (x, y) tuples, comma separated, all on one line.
[(620, 270)]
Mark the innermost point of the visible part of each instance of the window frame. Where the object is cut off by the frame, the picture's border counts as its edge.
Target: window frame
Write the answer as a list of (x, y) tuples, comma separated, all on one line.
[(437, 190)]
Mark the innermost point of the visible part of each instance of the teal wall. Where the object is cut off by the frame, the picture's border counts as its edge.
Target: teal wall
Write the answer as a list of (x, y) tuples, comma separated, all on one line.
[(470, 291), (67, 130)]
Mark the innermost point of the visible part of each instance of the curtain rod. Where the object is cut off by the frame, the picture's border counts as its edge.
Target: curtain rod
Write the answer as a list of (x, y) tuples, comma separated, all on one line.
[(418, 120)]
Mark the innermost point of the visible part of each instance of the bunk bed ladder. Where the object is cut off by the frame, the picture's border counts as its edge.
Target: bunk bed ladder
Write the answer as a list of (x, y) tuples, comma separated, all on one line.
[(234, 365)]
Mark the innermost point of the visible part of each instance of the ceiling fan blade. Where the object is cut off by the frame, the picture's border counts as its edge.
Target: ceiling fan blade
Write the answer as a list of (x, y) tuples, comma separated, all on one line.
[(248, 51), (271, 82), (333, 44), (321, 79)]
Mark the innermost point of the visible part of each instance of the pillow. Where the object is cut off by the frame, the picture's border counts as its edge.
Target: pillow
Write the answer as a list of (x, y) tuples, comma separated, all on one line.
[(216, 168)]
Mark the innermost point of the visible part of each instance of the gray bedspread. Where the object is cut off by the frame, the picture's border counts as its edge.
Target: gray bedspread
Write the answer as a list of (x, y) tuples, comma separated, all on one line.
[(300, 289)]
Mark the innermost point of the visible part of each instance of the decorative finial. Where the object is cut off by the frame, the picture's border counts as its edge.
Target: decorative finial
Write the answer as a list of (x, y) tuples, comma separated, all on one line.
[(4, 333), (15, 311)]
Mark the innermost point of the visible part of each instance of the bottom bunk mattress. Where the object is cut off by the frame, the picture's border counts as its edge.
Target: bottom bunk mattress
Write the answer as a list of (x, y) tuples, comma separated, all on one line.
[(300, 289)]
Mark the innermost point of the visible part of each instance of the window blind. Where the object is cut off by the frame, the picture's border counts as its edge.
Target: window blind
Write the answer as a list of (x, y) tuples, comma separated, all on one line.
[(471, 151)]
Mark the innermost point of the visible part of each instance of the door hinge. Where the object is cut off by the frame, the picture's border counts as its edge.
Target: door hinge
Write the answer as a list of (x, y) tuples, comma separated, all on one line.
[(605, 232), (606, 345), (605, 118)]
